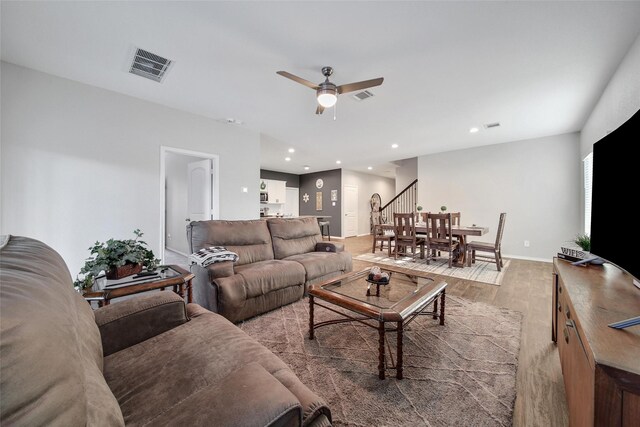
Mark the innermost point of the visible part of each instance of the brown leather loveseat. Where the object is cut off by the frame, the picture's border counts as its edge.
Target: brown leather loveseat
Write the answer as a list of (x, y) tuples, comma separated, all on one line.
[(150, 360), (279, 258)]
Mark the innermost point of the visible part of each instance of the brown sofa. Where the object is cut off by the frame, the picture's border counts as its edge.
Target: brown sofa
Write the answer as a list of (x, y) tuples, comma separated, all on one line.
[(149, 360), (278, 259)]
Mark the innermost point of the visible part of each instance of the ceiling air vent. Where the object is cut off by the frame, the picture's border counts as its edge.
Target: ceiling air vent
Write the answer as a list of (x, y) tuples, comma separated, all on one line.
[(361, 96), (149, 65), (491, 125)]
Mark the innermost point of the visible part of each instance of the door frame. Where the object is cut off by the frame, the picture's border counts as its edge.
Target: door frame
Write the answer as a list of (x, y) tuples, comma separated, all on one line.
[(215, 200)]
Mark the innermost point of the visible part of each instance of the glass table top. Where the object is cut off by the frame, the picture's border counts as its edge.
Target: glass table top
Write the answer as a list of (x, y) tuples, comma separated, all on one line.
[(401, 287)]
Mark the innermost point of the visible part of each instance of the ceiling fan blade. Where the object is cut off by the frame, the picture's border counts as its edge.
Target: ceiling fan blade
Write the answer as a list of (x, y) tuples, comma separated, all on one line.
[(297, 79), (351, 87), (320, 109)]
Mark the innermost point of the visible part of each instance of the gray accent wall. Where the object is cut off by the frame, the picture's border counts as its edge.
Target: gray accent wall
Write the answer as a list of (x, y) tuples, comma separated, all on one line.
[(332, 181), (292, 180), (536, 182)]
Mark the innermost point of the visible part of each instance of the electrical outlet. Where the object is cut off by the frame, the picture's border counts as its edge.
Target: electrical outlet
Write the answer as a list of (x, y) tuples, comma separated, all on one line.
[(526, 243), (168, 236)]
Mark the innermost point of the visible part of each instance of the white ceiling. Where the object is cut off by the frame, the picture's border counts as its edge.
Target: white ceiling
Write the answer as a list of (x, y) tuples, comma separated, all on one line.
[(536, 67)]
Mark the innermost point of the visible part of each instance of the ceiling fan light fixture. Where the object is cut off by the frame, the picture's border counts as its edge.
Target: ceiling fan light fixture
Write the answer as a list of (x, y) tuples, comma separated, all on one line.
[(327, 97)]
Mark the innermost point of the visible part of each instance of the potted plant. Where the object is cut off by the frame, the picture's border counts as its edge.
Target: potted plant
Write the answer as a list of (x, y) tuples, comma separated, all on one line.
[(419, 216), (443, 209), (118, 259), (583, 241)]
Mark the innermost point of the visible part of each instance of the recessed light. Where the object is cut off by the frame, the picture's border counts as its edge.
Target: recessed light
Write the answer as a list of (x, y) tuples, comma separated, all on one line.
[(306, 168), (287, 159), (369, 167), (394, 145), (474, 130), (291, 150), (338, 162)]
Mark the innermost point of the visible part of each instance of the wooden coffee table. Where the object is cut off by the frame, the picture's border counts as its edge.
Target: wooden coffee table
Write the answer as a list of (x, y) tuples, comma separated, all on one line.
[(167, 276), (402, 300)]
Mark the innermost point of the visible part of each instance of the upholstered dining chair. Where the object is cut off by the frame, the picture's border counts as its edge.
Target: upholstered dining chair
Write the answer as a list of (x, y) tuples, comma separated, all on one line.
[(493, 247), (439, 237), (382, 236), (404, 228)]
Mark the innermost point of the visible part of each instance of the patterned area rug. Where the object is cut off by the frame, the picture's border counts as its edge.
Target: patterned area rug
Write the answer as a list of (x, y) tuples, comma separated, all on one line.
[(481, 271), (462, 373)]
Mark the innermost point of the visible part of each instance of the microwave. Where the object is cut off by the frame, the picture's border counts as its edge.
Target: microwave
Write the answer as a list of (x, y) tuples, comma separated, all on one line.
[(264, 197)]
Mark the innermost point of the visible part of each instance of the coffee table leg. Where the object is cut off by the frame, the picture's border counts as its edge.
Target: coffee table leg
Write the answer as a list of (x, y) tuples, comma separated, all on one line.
[(189, 292), (435, 308), (310, 317), (399, 354), (381, 350), (442, 297)]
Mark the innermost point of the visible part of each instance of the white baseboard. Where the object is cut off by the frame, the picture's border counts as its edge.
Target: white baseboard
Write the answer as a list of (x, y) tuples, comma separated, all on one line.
[(528, 258)]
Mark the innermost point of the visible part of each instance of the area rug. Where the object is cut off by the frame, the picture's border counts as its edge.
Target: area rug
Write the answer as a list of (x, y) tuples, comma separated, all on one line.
[(480, 271), (462, 373)]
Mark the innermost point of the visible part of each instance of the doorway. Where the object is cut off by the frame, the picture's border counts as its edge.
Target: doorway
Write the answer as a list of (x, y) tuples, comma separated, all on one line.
[(350, 211), (189, 192)]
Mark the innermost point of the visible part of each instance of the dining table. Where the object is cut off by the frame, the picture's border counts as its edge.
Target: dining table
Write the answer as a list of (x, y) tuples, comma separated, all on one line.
[(459, 231)]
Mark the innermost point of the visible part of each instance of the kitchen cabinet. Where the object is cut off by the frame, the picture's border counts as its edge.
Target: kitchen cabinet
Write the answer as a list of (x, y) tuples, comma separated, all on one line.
[(276, 190)]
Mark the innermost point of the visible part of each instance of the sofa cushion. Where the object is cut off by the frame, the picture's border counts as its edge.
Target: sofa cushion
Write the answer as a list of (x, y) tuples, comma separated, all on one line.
[(234, 395), (158, 376), (263, 277), (51, 364), (293, 236), (317, 264), (249, 239)]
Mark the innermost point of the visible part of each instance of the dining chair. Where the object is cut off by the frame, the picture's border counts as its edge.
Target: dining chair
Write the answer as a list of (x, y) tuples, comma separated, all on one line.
[(494, 248), (404, 228), (439, 237), (455, 218), (382, 236)]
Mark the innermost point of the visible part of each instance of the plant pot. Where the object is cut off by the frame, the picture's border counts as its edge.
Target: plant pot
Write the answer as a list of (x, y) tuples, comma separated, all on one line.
[(115, 273)]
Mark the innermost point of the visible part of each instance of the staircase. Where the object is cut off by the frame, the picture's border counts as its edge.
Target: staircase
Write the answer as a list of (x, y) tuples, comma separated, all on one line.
[(404, 202)]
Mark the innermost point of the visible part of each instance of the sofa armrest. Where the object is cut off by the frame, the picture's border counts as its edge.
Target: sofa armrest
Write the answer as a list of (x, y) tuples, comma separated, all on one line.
[(132, 321), (329, 247), (220, 269), (248, 397)]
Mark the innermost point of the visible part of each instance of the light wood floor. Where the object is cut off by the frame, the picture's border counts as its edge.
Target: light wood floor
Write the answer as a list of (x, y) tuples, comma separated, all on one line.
[(526, 287)]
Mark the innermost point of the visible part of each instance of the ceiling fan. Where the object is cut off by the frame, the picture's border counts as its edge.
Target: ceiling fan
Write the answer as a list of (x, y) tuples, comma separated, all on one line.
[(327, 92)]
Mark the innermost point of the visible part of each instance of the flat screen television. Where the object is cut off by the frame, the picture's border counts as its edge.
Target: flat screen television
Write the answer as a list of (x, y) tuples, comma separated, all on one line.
[(615, 185)]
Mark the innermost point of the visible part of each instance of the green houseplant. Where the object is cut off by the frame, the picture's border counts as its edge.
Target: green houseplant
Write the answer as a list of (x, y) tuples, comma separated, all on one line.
[(443, 208), (584, 241), (117, 258)]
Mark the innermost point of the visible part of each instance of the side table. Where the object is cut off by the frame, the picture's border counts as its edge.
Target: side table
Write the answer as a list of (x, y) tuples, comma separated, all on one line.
[(168, 276)]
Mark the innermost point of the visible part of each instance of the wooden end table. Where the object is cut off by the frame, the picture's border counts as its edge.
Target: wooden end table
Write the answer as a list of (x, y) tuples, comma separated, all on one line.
[(407, 296), (168, 276)]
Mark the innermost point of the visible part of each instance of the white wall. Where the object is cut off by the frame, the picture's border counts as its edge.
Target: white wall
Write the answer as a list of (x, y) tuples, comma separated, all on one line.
[(535, 181), (177, 209), (406, 173), (619, 101), (367, 185), (81, 164)]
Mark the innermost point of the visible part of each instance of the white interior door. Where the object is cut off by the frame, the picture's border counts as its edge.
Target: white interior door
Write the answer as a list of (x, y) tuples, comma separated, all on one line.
[(350, 211), (291, 206), (199, 191)]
